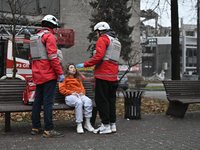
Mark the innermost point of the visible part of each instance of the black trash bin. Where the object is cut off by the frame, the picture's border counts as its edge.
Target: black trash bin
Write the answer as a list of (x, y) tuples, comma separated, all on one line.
[(132, 104)]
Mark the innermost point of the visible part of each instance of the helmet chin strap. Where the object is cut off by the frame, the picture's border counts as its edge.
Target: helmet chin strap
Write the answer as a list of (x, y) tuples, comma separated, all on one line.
[(99, 32)]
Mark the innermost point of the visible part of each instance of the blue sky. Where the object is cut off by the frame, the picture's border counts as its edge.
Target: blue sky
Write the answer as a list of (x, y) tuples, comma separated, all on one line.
[(187, 11)]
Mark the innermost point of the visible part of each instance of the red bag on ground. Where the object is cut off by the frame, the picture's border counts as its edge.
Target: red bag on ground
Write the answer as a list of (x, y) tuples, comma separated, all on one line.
[(29, 94)]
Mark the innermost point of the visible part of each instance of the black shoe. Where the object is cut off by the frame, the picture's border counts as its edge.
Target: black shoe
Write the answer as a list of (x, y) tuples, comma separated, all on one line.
[(53, 133), (36, 131)]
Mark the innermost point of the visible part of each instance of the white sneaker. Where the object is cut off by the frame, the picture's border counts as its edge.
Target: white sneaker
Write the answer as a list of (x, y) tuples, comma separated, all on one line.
[(102, 129), (89, 127), (113, 128), (79, 128)]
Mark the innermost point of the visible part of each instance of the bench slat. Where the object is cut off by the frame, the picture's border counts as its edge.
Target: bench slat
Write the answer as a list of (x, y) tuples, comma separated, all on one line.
[(182, 88), (11, 93), (180, 94), (185, 100), (12, 90), (21, 108)]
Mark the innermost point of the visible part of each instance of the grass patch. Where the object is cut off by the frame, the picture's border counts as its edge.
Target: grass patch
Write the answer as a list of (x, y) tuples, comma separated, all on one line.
[(149, 87), (154, 87), (151, 106)]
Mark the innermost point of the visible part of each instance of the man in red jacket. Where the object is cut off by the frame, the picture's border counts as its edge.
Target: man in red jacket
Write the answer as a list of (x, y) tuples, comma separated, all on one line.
[(46, 69), (106, 58)]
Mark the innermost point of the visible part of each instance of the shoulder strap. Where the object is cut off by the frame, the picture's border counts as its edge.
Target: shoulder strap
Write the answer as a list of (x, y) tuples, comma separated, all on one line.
[(42, 33)]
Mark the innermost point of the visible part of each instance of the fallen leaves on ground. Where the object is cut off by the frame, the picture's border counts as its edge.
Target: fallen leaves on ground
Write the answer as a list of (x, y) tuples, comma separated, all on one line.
[(153, 106), (148, 106)]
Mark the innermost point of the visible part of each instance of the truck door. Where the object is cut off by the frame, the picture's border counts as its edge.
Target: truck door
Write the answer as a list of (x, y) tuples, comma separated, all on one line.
[(22, 63)]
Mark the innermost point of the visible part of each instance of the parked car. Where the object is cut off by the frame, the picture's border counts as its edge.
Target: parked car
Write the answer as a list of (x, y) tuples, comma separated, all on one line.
[(123, 84)]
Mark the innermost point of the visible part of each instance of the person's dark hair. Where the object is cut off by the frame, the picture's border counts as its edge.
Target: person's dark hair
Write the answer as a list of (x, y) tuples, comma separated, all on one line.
[(48, 24), (76, 75)]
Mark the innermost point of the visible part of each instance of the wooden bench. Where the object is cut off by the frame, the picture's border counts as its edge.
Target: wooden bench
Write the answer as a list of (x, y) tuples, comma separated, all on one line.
[(11, 93), (180, 94)]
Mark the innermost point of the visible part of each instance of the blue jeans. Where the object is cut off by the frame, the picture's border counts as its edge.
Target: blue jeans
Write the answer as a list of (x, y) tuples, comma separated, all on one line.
[(45, 94)]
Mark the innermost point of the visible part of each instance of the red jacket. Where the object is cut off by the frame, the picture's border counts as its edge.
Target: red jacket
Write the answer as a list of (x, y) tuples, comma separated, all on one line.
[(45, 70), (106, 70)]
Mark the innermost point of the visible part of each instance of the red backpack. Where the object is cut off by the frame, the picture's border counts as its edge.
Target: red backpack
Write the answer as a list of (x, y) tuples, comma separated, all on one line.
[(29, 94)]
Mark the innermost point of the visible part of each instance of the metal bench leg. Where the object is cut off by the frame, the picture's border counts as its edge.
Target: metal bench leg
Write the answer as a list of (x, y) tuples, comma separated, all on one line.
[(177, 109), (94, 115), (7, 122)]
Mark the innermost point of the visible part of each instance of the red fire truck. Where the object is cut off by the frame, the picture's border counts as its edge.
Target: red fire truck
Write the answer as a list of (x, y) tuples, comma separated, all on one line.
[(65, 38)]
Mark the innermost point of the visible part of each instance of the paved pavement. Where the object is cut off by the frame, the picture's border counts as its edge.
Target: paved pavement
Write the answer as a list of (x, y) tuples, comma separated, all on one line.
[(156, 132), (149, 84), (156, 94)]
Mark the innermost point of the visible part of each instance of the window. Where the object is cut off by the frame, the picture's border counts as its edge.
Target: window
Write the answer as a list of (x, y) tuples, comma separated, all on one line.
[(150, 49), (22, 50), (191, 57), (147, 64), (189, 33)]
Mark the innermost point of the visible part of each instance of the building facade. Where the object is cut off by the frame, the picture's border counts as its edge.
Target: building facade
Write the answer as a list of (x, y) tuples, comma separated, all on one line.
[(72, 14), (156, 53)]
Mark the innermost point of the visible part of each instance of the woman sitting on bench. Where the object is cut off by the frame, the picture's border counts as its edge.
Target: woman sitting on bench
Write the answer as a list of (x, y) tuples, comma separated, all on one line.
[(74, 92)]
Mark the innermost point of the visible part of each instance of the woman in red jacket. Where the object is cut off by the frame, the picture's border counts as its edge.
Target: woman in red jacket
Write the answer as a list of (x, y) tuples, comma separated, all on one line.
[(74, 92), (105, 59)]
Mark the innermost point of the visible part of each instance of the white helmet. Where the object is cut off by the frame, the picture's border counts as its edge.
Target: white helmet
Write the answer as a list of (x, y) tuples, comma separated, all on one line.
[(51, 19), (101, 26)]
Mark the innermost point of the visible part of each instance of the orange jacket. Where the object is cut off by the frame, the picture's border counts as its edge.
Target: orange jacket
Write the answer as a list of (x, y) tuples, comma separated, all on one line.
[(70, 85)]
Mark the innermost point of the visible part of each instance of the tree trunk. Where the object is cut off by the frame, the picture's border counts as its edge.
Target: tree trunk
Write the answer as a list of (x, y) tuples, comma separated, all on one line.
[(14, 52), (198, 38), (175, 49)]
